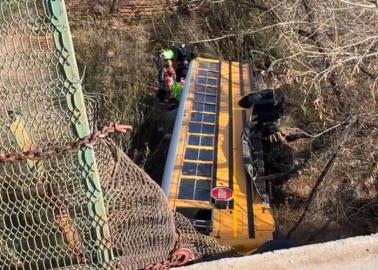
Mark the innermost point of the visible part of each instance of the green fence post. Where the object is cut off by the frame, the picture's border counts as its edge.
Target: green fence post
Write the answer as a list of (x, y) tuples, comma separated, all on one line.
[(75, 99)]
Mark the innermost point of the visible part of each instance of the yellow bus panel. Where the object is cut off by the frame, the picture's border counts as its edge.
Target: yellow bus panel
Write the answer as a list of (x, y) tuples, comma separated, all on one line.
[(206, 152)]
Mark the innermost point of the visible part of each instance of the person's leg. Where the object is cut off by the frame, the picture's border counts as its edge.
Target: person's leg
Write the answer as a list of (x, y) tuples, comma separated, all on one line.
[(180, 71), (185, 71), (162, 93)]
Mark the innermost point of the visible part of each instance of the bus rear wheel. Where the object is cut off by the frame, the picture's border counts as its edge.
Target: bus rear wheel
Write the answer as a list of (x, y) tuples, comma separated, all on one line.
[(267, 105)]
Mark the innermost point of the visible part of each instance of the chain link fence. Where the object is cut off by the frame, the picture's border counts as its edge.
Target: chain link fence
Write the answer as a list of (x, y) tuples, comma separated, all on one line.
[(67, 210), (52, 211)]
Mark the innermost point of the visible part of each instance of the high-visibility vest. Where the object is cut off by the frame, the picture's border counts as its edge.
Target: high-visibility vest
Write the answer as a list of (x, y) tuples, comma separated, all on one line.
[(177, 90), (168, 54)]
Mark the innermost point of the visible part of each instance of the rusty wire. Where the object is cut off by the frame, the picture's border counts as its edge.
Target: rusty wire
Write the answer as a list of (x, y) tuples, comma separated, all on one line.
[(52, 151)]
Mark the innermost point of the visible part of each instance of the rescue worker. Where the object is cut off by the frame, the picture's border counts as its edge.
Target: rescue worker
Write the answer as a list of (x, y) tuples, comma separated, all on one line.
[(160, 60), (183, 57), (168, 54), (177, 88), (182, 53), (160, 65), (182, 70)]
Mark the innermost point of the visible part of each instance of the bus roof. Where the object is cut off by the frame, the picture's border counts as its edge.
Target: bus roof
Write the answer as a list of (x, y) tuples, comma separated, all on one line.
[(206, 152)]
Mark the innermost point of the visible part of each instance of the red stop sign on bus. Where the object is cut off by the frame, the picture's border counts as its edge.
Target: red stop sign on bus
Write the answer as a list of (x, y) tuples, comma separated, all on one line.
[(222, 194)]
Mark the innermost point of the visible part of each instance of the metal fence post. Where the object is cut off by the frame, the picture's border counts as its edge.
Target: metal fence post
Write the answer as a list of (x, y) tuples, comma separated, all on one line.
[(75, 99)]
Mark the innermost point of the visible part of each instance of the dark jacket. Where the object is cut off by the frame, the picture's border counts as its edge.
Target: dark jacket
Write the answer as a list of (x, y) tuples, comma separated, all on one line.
[(159, 61), (183, 54)]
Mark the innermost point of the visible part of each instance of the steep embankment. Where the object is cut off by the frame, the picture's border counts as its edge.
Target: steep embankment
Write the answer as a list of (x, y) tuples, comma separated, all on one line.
[(328, 154)]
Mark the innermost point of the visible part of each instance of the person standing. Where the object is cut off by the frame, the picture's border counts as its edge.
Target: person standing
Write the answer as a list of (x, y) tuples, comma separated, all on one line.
[(160, 65), (169, 78), (182, 53), (183, 57)]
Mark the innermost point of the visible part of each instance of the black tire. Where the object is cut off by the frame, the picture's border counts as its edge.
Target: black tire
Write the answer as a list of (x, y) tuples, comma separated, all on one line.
[(268, 105), (267, 97)]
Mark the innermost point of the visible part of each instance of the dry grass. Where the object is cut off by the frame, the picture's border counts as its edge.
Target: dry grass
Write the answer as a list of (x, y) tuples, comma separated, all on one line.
[(323, 53), (118, 70)]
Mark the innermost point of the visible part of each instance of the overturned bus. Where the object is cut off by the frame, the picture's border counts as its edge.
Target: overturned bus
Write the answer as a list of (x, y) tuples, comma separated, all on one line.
[(215, 171)]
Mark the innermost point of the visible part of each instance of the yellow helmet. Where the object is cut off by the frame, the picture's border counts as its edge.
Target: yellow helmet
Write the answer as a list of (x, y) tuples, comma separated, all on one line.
[(169, 63)]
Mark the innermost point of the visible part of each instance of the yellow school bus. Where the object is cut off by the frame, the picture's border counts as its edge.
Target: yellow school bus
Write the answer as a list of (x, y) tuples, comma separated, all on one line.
[(206, 152)]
